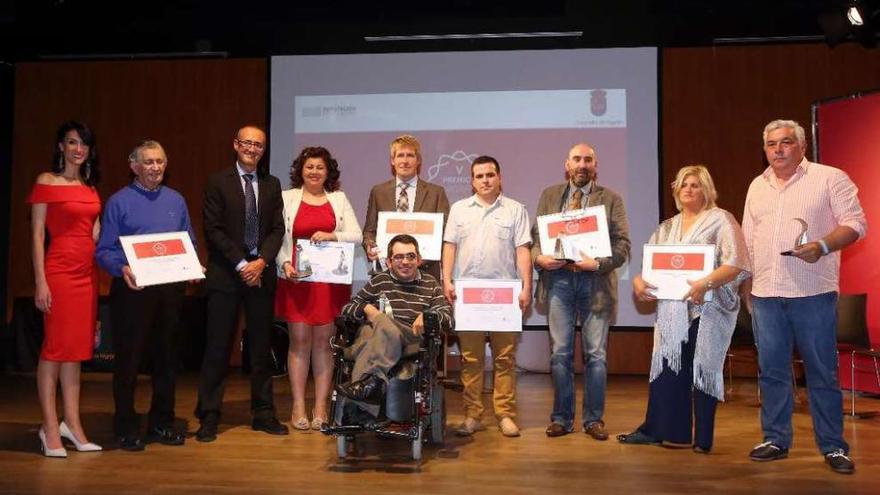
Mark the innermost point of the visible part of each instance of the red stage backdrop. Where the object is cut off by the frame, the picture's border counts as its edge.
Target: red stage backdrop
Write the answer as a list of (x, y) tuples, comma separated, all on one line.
[(848, 137)]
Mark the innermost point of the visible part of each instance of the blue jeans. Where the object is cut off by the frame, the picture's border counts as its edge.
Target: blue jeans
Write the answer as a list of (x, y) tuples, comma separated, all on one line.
[(569, 297), (810, 323)]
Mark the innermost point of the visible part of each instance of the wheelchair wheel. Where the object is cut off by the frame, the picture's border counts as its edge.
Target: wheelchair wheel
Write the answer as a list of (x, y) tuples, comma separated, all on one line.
[(341, 446), (417, 444), (438, 415)]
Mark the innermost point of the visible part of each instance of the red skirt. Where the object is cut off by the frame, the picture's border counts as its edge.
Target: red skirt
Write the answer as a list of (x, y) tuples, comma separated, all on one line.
[(312, 303)]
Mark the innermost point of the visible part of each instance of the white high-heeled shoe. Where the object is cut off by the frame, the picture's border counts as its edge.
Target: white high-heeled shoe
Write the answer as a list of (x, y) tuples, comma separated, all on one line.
[(61, 452), (80, 447)]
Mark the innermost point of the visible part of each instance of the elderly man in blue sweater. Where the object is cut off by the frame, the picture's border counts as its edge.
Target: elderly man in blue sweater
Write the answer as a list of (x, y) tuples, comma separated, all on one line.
[(145, 206)]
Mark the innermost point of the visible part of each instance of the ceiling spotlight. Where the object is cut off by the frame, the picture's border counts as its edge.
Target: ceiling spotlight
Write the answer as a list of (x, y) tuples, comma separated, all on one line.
[(854, 16)]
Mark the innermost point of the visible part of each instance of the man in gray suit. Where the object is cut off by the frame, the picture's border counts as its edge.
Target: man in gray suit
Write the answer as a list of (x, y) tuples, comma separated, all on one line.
[(585, 290), (406, 192)]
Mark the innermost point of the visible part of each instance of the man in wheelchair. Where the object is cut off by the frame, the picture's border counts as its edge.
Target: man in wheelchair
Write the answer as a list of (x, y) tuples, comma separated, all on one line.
[(392, 307)]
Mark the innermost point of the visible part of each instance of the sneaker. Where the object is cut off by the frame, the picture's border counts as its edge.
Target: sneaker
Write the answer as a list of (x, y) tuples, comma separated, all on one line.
[(768, 451), (840, 462), (468, 427), (508, 427)]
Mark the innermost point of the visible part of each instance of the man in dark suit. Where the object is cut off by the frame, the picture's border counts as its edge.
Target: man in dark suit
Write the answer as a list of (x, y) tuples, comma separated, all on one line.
[(243, 232), (406, 192)]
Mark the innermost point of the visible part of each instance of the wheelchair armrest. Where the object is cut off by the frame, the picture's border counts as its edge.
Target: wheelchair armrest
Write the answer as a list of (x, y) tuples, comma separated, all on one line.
[(432, 324)]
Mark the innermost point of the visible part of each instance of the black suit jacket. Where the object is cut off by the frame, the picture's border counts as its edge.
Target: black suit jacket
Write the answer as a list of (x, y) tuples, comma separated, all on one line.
[(223, 217)]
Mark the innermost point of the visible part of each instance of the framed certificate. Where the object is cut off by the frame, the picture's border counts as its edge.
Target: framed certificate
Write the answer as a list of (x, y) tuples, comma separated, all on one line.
[(161, 258), (426, 228), (488, 305), (577, 230), (670, 266), (331, 261)]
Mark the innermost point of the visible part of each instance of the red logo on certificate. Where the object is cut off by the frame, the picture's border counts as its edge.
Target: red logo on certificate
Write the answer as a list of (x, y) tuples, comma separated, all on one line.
[(411, 227), (487, 295), (677, 261), (158, 248), (583, 225)]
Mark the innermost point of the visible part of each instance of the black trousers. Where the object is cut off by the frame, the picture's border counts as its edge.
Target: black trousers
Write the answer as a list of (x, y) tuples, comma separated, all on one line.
[(259, 308), (675, 408), (144, 321)]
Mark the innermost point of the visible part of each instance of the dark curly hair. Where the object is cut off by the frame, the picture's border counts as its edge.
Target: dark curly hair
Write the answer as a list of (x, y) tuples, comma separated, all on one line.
[(89, 173), (332, 182)]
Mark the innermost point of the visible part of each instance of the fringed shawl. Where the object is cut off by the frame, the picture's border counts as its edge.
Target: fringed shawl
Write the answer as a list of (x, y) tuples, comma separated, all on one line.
[(717, 317)]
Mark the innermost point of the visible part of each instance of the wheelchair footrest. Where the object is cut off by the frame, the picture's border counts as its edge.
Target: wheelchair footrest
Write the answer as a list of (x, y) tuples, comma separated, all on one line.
[(380, 428)]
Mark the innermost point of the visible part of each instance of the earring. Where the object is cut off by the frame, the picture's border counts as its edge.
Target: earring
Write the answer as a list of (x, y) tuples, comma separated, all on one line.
[(61, 162), (88, 170)]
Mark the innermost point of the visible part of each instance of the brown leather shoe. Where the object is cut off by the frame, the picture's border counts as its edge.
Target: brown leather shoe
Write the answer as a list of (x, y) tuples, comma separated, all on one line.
[(597, 430), (556, 430)]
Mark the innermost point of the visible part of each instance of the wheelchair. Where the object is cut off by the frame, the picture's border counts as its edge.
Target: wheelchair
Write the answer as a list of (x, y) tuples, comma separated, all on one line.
[(414, 407)]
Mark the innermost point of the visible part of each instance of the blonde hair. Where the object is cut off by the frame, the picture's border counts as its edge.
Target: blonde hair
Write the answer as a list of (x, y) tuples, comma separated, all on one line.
[(710, 195), (407, 141)]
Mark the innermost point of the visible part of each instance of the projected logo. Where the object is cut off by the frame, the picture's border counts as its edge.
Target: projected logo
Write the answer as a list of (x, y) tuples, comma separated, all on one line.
[(598, 102), (453, 172)]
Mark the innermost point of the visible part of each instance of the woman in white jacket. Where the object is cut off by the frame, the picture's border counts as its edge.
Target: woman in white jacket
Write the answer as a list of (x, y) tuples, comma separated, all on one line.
[(314, 209)]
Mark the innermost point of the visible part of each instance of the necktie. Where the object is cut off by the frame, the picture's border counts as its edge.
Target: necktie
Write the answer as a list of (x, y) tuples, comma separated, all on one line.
[(575, 202), (403, 199), (250, 213)]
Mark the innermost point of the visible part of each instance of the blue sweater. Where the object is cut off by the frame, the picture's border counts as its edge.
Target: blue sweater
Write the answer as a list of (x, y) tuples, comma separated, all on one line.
[(134, 210)]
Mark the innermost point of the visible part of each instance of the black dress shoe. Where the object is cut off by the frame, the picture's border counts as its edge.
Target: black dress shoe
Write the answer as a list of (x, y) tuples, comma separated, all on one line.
[(165, 435), (207, 431), (768, 451), (840, 462), (131, 443), (369, 389), (270, 425)]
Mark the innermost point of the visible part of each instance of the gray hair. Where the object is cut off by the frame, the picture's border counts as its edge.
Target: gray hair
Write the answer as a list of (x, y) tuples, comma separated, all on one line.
[(135, 154), (791, 124)]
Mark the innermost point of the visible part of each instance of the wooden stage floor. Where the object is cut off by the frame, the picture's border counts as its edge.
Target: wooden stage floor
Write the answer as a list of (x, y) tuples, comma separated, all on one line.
[(244, 461)]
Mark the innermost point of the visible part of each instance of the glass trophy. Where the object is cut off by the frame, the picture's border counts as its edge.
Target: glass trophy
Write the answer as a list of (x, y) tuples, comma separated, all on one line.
[(375, 265), (559, 251), (801, 238), (303, 266)]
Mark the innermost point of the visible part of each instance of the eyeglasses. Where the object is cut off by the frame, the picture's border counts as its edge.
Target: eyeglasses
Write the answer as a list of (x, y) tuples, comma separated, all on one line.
[(408, 257), (250, 144)]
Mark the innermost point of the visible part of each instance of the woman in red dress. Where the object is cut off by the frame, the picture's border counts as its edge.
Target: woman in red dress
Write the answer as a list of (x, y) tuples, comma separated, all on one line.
[(65, 203), (314, 209)]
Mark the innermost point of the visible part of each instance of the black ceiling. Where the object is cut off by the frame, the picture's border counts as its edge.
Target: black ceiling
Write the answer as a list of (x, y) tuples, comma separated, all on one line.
[(40, 29)]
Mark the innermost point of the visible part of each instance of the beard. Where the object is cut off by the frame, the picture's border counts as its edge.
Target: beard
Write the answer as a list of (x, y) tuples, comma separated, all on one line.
[(581, 180)]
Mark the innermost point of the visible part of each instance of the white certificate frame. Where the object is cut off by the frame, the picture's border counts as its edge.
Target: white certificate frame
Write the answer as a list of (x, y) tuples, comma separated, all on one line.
[(161, 258), (671, 282), (392, 223), (484, 314), (595, 243), (332, 262)]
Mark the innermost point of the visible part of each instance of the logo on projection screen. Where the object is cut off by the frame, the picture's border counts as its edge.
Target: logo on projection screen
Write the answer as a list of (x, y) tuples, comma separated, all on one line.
[(598, 102), (453, 172)]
